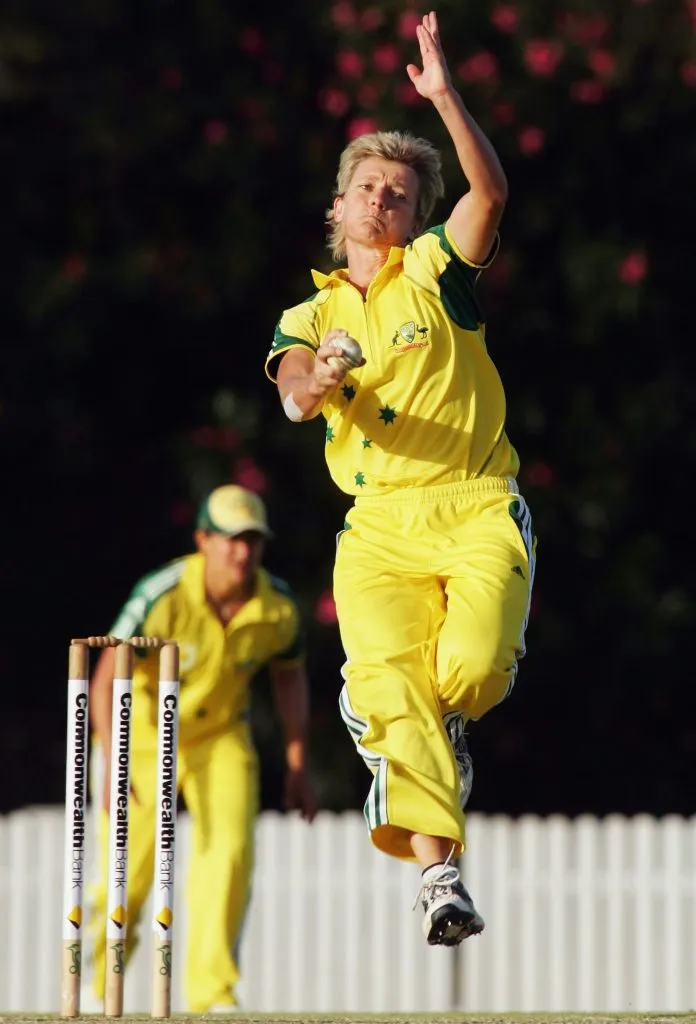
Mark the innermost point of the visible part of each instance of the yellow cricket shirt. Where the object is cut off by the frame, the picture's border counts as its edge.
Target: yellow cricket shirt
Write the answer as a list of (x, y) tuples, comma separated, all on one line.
[(428, 407), (217, 662)]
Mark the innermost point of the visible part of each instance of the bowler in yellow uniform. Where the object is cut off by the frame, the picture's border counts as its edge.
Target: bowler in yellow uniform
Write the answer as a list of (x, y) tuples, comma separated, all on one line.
[(230, 617), (435, 565)]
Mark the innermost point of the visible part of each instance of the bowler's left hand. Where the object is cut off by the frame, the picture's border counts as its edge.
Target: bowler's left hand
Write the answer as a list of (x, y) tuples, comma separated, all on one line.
[(298, 794)]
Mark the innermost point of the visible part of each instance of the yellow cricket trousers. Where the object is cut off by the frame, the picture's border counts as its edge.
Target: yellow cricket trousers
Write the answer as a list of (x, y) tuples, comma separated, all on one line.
[(432, 589), (219, 780)]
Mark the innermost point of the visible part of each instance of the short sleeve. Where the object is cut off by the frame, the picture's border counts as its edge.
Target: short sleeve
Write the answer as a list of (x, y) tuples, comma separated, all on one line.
[(292, 640), (295, 329), (131, 618), (437, 259), (146, 612)]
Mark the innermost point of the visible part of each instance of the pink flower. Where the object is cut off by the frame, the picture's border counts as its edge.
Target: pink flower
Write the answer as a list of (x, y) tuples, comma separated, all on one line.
[(540, 474), (227, 439), (325, 610), (633, 267), (587, 91), (251, 40), (406, 93), (350, 64), (361, 126), (505, 18), (74, 267), (408, 23), (371, 18), (215, 132), (334, 102), (368, 95), (504, 113), (480, 67), (602, 62), (386, 58), (203, 437), (249, 475), (687, 73), (343, 14), (171, 78), (589, 31), (542, 56), (531, 140)]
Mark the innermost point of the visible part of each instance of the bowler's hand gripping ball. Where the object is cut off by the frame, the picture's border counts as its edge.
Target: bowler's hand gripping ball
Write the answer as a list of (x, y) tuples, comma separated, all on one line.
[(352, 354)]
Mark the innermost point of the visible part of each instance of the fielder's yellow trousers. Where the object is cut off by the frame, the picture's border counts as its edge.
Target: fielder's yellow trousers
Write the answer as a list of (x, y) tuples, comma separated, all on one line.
[(219, 781), (432, 589)]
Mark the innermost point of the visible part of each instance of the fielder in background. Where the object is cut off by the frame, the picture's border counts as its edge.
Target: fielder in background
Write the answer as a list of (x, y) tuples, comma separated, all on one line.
[(434, 568), (229, 617)]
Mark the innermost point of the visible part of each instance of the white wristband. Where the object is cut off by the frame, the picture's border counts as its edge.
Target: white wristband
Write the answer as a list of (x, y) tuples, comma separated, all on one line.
[(292, 409)]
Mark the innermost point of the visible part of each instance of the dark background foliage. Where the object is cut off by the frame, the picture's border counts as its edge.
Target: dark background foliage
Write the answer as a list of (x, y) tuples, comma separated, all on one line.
[(164, 170)]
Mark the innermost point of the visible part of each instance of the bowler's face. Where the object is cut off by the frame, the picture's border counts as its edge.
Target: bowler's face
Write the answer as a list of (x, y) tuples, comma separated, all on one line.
[(378, 208)]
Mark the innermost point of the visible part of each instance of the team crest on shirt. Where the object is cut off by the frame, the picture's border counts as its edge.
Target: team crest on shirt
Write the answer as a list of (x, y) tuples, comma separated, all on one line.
[(409, 336)]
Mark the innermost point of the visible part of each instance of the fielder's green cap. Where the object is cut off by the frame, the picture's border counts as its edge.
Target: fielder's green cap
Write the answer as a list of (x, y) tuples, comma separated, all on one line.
[(232, 510)]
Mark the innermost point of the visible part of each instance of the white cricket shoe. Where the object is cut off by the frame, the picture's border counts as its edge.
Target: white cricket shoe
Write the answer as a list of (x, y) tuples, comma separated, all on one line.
[(449, 912), (454, 725)]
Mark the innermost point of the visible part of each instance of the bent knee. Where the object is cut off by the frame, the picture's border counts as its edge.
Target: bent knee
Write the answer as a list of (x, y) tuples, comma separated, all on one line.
[(477, 682)]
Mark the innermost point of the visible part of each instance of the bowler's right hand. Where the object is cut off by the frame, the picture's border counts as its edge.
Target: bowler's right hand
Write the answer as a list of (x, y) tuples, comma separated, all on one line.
[(325, 376)]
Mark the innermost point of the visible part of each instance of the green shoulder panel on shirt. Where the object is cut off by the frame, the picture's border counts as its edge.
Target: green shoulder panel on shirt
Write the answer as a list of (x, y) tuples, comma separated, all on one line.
[(145, 594), (296, 648), (458, 285), (280, 586), (282, 341)]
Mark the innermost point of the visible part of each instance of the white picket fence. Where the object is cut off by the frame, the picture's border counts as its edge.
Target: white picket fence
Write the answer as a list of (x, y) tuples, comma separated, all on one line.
[(582, 915)]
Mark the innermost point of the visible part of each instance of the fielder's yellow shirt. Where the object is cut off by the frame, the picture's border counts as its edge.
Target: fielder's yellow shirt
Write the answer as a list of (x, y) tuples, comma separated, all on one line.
[(217, 662), (428, 407)]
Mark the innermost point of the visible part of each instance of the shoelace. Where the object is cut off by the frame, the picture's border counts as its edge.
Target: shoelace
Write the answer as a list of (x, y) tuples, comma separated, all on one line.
[(447, 875)]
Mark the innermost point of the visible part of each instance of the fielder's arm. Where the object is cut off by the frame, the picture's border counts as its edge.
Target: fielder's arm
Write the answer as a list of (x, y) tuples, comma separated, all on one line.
[(100, 695), (101, 689), (291, 695)]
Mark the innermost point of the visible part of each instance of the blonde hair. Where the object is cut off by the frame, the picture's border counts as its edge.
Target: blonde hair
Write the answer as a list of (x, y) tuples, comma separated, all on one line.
[(418, 154)]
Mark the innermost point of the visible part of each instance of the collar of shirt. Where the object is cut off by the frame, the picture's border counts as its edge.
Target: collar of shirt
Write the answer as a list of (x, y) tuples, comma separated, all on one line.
[(340, 276), (259, 608)]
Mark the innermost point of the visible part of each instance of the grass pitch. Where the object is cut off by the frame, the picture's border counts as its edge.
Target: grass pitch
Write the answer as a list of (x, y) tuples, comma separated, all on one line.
[(379, 1018)]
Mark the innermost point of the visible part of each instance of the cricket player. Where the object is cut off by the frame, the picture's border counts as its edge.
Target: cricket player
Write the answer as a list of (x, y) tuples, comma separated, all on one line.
[(434, 568), (229, 617)]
